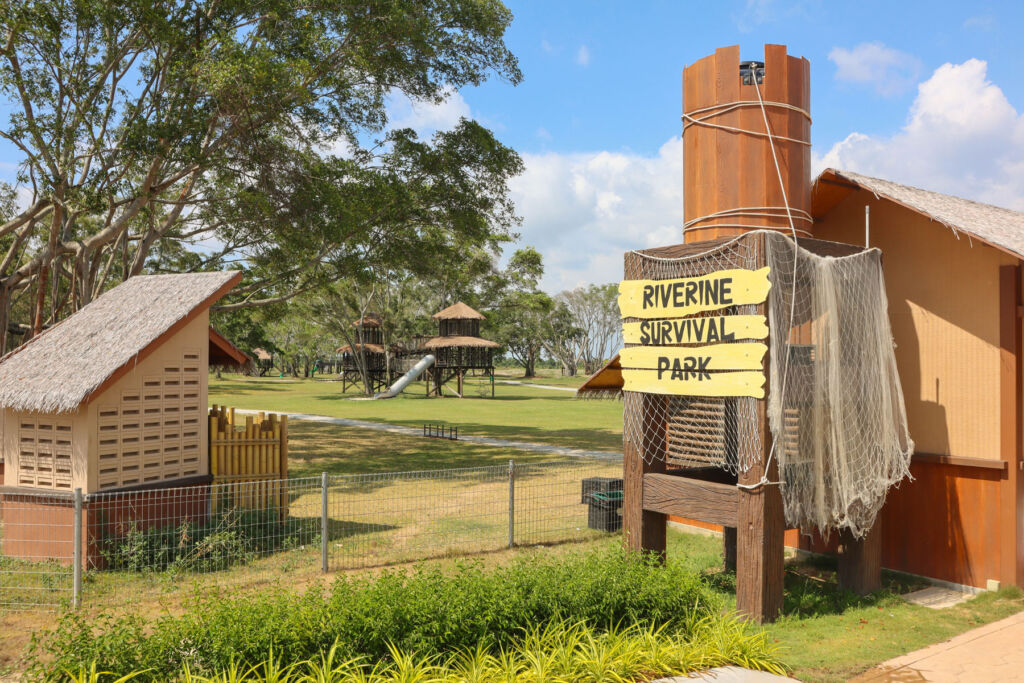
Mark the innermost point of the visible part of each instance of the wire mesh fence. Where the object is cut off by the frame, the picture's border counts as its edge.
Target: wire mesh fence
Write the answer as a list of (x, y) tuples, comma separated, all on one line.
[(246, 533)]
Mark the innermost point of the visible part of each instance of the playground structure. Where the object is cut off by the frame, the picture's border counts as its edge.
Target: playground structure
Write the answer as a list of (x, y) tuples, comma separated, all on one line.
[(367, 349), (459, 349)]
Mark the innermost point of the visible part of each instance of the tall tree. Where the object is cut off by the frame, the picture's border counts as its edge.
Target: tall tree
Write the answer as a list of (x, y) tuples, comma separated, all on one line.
[(594, 310), (143, 123), (520, 308)]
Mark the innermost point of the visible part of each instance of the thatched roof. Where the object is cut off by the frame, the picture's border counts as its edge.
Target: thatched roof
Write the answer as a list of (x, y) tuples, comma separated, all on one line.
[(455, 341), (370, 348), (605, 383), (459, 311), (996, 226), (72, 362), (262, 354), (369, 320)]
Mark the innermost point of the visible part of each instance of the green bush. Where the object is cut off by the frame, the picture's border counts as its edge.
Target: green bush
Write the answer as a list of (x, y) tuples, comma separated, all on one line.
[(229, 537), (426, 612)]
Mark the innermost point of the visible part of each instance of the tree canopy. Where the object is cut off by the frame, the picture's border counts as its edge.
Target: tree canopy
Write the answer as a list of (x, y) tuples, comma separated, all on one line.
[(198, 134)]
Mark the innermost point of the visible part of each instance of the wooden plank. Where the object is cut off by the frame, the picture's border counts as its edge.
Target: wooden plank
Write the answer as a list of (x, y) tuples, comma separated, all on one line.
[(960, 461), (669, 359), (738, 383), (644, 530), (705, 501), (688, 295), (1010, 543), (695, 330)]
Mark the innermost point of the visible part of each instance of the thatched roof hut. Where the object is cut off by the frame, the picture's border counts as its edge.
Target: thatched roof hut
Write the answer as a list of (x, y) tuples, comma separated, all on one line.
[(455, 340), (122, 384), (458, 311)]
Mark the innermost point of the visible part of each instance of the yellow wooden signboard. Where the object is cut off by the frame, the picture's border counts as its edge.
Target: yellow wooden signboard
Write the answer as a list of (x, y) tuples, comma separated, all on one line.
[(689, 295), (721, 328), (699, 362), (738, 383)]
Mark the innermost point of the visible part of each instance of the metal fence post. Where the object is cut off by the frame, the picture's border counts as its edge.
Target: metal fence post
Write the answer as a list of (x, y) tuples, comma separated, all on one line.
[(324, 522), (511, 503), (76, 553)]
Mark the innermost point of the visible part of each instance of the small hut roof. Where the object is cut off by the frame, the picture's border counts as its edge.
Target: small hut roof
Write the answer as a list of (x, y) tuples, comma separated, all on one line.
[(459, 311), (454, 341), (370, 348), (605, 383), (993, 225), (73, 361), (369, 320), (262, 354), (223, 352)]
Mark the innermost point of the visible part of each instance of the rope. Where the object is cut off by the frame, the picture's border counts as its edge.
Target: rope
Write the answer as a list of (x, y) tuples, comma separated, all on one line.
[(691, 118), (751, 212), (792, 299)]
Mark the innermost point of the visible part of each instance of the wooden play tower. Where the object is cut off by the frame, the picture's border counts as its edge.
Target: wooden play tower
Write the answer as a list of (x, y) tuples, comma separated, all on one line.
[(682, 452), (368, 345), (459, 349)]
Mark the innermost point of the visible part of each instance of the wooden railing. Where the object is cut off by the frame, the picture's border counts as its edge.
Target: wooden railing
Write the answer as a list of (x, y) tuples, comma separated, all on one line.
[(254, 452)]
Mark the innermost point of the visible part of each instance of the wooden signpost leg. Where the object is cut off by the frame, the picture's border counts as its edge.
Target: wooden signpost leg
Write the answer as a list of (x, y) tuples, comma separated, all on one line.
[(759, 549), (729, 547), (860, 561), (644, 530)]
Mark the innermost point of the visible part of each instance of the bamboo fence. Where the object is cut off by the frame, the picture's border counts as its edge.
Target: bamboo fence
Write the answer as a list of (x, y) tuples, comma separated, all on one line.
[(253, 452)]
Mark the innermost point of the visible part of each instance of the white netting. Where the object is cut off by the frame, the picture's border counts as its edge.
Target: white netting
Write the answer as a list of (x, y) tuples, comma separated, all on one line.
[(835, 405)]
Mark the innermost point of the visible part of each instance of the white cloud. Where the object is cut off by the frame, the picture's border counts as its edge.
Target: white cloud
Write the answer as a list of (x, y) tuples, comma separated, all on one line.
[(982, 22), (962, 137), (426, 118), (583, 211), (543, 133), (757, 12), (548, 47), (887, 70), (583, 56)]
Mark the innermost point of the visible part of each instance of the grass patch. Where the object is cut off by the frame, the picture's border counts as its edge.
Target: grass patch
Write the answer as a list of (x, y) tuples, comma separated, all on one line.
[(518, 412), (315, 447)]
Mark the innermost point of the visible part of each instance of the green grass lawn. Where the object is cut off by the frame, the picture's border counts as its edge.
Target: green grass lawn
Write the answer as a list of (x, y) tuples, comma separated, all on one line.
[(517, 412), (315, 447)]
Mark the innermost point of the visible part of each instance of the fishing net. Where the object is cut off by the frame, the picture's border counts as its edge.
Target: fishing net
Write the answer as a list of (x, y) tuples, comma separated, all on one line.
[(834, 403)]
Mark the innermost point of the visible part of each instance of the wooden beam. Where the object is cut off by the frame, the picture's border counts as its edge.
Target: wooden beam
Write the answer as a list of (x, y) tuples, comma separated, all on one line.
[(960, 461), (860, 561), (761, 524), (644, 529), (1011, 561), (705, 501)]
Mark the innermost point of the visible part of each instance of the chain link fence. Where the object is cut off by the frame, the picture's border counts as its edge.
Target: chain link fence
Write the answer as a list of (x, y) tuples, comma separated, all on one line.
[(245, 533)]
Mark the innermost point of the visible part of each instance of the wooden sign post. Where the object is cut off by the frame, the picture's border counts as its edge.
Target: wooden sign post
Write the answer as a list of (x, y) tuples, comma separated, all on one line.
[(684, 341)]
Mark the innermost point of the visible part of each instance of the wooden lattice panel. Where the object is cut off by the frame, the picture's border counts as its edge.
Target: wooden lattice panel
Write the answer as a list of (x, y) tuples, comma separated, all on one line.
[(44, 458), (154, 433)]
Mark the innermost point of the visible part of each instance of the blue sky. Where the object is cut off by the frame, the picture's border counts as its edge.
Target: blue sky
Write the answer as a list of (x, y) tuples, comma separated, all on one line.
[(925, 93), (928, 94)]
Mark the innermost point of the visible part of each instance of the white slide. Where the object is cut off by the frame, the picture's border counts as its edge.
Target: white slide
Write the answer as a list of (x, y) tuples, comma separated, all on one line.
[(403, 381)]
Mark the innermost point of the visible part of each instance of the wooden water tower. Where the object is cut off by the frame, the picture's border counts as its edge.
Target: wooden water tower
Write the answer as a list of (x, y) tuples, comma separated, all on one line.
[(709, 458)]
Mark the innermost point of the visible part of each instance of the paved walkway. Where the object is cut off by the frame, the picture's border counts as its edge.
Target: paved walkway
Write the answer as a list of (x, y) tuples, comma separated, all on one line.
[(986, 654), (416, 431), (531, 384), (728, 674)]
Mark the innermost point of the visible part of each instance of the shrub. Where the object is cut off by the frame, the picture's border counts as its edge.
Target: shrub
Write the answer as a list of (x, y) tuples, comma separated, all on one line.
[(425, 612), (558, 651)]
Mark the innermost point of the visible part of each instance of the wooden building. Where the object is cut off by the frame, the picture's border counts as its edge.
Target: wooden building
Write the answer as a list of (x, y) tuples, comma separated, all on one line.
[(458, 348), (115, 396), (953, 276)]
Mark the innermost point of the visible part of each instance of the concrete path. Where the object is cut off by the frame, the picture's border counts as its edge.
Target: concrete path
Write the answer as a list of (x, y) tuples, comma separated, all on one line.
[(530, 384), (727, 674), (416, 431), (985, 654)]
